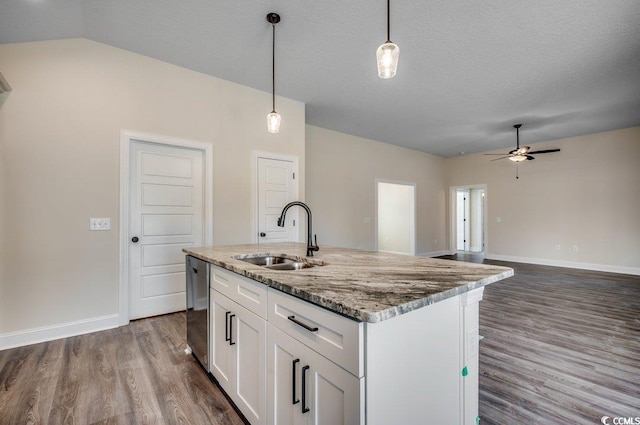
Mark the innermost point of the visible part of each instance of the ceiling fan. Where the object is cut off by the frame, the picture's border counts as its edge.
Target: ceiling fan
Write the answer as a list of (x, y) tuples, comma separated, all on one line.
[(520, 154)]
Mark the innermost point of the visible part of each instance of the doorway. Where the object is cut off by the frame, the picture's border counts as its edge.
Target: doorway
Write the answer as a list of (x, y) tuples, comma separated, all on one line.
[(165, 206), (395, 217), (468, 208)]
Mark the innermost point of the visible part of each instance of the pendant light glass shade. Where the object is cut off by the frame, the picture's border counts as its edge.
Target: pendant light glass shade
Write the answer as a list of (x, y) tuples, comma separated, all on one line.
[(387, 57), (387, 54), (273, 122)]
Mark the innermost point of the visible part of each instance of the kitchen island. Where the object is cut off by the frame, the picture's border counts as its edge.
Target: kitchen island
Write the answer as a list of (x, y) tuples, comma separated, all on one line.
[(354, 337)]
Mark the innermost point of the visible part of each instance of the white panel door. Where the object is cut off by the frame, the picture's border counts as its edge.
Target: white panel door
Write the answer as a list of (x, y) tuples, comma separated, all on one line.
[(284, 366), (333, 395), (276, 188), (165, 216), (250, 339), (221, 362), (463, 238)]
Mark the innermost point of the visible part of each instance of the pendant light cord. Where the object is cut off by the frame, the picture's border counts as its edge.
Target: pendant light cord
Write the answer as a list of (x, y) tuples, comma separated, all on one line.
[(388, 21), (273, 68)]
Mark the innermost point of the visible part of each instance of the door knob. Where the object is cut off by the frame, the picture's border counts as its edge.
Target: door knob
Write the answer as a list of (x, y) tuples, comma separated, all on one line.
[(263, 234), (134, 239)]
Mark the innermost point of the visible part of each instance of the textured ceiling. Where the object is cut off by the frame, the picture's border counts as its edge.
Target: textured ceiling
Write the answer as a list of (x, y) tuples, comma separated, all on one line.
[(467, 70)]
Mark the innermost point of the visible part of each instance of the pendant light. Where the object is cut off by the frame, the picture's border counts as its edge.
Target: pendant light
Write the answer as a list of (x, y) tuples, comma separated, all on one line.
[(387, 53), (273, 118)]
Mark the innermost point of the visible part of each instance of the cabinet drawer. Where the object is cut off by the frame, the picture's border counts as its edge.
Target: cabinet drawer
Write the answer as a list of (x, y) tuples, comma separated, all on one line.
[(337, 338), (248, 293)]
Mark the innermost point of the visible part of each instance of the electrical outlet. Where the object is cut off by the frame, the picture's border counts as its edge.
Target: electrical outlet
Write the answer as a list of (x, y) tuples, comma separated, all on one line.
[(575, 248), (557, 247), (367, 220), (498, 219), (435, 241), (99, 224)]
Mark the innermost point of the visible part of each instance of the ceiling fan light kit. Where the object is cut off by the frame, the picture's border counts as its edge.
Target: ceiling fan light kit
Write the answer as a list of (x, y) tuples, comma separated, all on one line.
[(520, 154), (388, 53), (273, 118)]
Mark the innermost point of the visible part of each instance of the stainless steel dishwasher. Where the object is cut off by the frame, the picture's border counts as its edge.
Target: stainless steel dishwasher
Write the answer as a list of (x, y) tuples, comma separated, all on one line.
[(198, 309)]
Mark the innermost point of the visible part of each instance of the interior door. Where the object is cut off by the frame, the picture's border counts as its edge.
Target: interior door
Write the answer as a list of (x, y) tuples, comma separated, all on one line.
[(165, 216), (463, 237), (277, 186)]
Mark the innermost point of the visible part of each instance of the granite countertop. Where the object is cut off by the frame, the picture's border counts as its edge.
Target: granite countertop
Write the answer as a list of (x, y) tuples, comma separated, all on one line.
[(366, 286)]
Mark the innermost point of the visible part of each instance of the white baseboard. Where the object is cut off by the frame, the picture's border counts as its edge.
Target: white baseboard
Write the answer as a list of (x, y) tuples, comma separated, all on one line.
[(568, 264), (433, 253), (62, 330)]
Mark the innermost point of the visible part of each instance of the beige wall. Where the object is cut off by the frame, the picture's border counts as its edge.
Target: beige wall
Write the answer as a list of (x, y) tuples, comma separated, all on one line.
[(61, 133), (3, 180), (586, 195), (341, 178)]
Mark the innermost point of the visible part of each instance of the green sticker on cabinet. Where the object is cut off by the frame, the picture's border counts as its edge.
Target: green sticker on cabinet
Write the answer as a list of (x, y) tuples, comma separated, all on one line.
[(477, 420), (465, 372)]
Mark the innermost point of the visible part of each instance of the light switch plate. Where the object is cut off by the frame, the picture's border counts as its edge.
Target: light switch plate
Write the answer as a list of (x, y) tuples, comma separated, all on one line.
[(99, 224)]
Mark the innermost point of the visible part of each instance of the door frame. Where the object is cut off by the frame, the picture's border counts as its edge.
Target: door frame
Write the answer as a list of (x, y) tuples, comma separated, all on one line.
[(414, 218), (126, 138), (254, 187), (453, 219)]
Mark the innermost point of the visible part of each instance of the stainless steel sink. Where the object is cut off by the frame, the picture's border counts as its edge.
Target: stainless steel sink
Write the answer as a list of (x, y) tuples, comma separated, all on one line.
[(265, 260), (275, 262), (293, 265)]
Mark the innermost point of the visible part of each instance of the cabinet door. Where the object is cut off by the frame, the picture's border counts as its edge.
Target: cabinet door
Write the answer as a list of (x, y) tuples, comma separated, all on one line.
[(249, 336), (221, 353), (335, 397), (284, 368)]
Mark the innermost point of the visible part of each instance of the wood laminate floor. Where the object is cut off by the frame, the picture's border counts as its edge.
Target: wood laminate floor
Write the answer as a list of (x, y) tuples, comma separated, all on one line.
[(136, 374), (561, 346)]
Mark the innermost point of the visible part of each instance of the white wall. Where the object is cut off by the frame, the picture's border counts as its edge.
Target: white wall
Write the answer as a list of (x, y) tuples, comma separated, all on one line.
[(341, 183), (60, 133), (586, 195)]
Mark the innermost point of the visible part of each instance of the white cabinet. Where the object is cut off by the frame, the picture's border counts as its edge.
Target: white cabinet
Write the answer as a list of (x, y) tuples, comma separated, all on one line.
[(306, 388), (284, 361), (238, 354)]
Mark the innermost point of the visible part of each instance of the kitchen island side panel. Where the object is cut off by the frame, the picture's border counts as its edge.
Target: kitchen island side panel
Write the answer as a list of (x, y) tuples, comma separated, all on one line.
[(413, 367)]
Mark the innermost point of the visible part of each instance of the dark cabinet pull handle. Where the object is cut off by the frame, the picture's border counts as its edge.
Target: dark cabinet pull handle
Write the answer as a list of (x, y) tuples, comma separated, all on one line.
[(305, 409), (293, 398), (299, 323), (231, 329), (263, 234), (134, 239), (226, 326)]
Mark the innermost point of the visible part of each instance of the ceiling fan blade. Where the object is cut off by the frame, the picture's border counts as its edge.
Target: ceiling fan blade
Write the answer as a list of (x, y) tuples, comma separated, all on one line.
[(495, 154), (530, 158), (545, 151), (499, 158)]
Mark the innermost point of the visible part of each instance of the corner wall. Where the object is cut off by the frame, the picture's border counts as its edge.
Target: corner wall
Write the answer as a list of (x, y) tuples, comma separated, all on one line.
[(587, 196), (61, 140), (341, 184)]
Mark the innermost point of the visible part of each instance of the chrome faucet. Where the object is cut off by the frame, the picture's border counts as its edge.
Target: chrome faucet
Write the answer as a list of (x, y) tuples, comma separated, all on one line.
[(310, 246)]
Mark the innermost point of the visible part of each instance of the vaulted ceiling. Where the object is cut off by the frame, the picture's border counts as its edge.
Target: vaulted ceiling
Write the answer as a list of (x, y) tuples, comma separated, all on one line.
[(467, 70)]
